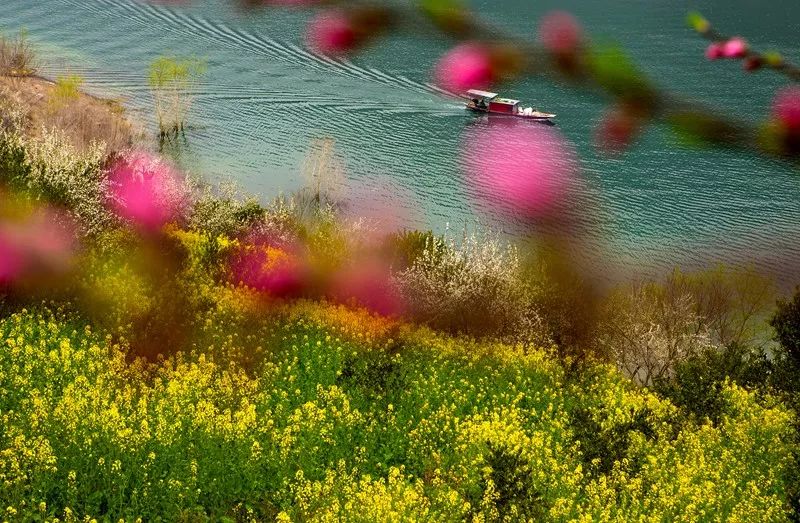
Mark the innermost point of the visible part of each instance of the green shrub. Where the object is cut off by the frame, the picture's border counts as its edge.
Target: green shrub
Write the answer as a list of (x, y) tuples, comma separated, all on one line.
[(13, 167), (172, 81), (602, 446), (224, 213), (12, 113), (404, 248), (786, 322), (66, 90), (511, 478), (697, 383)]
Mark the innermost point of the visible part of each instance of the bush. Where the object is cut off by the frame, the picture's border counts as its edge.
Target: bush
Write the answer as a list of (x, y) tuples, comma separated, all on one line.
[(324, 179), (16, 56), (54, 170), (698, 381), (604, 445), (224, 213), (563, 308), (12, 113), (733, 304), (648, 329), (66, 90), (472, 287), (13, 167), (403, 249), (786, 322)]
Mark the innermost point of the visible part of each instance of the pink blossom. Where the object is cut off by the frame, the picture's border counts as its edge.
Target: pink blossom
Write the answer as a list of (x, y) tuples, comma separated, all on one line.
[(42, 243), (714, 51), (331, 32), (528, 167), (368, 284), (11, 258), (467, 66), (269, 269), (752, 63), (736, 47), (146, 191), (786, 107), (616, 131), (560, 32)]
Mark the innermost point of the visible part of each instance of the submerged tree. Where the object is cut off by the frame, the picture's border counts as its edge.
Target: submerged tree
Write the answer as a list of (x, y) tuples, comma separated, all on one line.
[(172, 81), (324, 179)]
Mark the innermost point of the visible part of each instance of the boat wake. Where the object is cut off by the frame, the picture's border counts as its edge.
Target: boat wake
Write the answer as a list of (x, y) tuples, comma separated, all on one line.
[(186, 23)]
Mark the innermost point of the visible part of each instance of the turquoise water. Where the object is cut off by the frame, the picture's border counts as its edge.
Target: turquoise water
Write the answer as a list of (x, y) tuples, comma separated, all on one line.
[(265, 99)]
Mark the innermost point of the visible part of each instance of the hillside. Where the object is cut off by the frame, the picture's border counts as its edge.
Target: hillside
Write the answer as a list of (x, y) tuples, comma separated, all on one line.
[(339, 422)]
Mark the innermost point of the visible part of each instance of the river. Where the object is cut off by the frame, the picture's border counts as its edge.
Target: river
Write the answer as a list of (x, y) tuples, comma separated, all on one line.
[(265, 99)]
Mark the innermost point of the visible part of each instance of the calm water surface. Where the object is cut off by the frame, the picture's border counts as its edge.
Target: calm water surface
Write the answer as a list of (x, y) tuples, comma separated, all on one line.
[(265, 99)]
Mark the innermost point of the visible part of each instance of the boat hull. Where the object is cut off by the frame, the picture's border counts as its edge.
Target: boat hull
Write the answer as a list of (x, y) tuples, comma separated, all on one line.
[(541, 117)]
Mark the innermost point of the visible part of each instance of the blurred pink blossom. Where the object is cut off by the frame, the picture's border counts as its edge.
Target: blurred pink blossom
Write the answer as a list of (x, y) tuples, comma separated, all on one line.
[(752, 63), (467, 66), (786, 107), (270, 269), (12, 257), (735, 47), (43, 243), (560, 32), (368, 283), (714, 51), (616, 131), (146, 191), (331, 32), (529, 167)]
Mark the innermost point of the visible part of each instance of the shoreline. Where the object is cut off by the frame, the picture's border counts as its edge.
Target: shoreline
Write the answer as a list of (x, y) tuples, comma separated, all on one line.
[(82, 116)]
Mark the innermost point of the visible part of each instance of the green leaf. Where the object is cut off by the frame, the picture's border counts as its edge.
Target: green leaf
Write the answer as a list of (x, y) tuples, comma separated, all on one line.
[(771, 137), (773, 58), (450, 15), (616, 72), (440, 8), (697, 129), (697, 22)]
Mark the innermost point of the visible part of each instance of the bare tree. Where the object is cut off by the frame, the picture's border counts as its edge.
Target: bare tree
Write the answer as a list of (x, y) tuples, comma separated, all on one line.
[(649, 329)]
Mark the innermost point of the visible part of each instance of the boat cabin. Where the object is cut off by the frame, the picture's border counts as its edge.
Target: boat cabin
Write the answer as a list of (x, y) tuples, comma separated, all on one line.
[(480, 99), (503, 105), (490, 101), (486, 102)]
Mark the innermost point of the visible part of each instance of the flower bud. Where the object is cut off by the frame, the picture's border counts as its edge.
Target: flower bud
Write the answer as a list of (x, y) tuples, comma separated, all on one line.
[(736, 47), (560, 33)]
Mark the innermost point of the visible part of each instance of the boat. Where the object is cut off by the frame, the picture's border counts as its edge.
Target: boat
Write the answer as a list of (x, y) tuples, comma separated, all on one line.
[(486, 102)]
